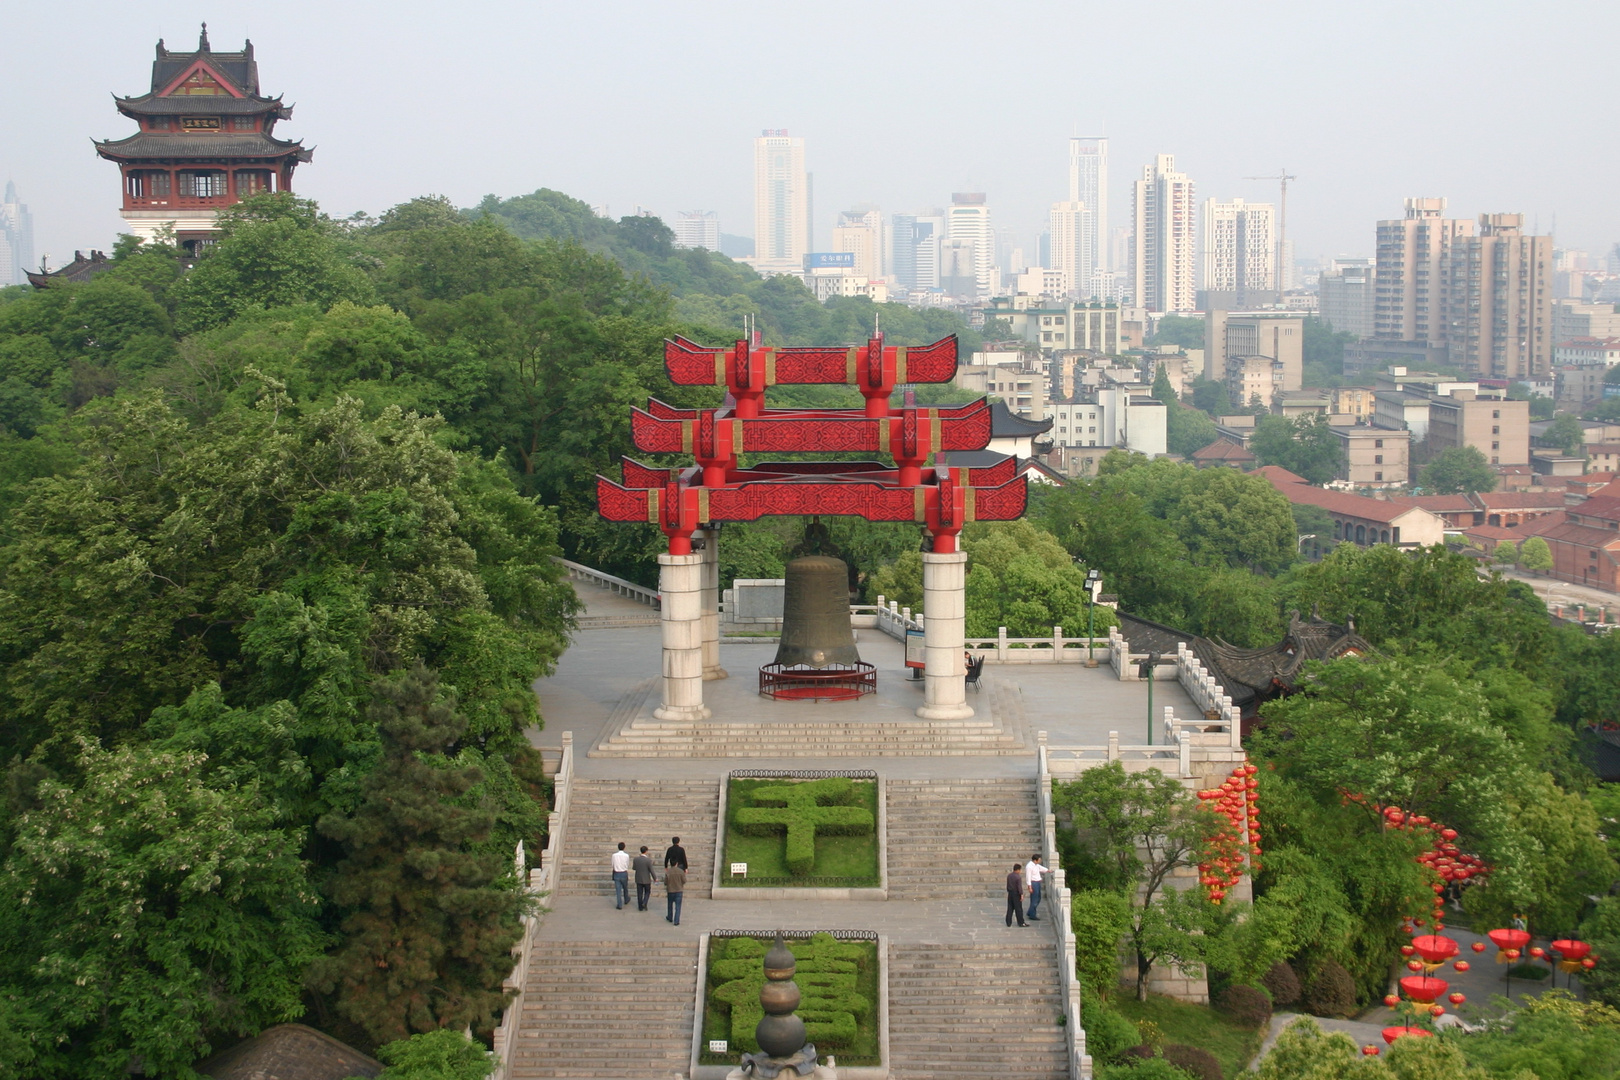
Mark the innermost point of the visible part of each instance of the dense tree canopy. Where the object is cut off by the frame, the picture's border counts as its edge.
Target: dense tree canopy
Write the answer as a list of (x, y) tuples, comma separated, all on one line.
[(1458, 470)]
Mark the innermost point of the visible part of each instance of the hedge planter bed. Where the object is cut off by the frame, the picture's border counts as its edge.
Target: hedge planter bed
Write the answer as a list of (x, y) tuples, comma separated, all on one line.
[(807, 830), (840, 980)]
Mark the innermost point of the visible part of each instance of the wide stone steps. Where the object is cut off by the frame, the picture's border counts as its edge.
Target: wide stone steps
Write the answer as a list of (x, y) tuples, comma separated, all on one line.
[(958, 838), (605, 1009), (833, 738), (603, 812), (970, 1011)]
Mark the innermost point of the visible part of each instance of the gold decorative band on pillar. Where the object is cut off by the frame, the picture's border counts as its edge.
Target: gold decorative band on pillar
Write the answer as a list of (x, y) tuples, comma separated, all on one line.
[(680, 587), (944, 636), (711, 603)]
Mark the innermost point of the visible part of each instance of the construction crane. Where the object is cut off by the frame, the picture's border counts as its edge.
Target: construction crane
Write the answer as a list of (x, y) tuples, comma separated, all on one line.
[(1282, 178)]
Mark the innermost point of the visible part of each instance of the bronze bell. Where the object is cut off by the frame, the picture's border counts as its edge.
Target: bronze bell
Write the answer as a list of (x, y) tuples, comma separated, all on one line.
[(815, 614)]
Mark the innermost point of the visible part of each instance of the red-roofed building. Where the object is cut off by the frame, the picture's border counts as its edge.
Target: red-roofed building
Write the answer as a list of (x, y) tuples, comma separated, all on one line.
[(1358, 519), (1508, 508), (1585, 543), (1488, 536), (1223, 452)]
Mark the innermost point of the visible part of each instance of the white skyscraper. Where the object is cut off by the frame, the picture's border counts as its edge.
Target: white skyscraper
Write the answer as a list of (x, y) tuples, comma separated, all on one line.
[(1240, 251), (1088, 185), (1165, 245), (968, 221), (16, 239), (861, 232), (781, 203), (697, 229)]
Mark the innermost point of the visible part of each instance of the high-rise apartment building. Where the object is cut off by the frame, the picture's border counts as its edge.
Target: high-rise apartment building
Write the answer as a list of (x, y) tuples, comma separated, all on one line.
[(1574, 320), (861, 232), (1240, 254), (781, 203), (1410, 290), (1500, 311), (1345, 296), (967, 221), (1164, 251), (1066, 226), (914, 245), (697, 229), (16, 239), (1088, 186)]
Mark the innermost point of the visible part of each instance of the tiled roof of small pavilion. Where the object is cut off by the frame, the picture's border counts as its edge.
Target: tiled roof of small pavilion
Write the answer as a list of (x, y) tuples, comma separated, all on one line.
[(290, 1052)]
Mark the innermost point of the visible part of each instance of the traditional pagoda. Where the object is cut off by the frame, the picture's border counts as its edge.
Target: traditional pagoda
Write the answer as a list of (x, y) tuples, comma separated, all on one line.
[(205, 142)]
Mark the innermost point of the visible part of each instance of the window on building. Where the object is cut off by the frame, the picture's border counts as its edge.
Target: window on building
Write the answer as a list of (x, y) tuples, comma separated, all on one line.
[(1378, 459), (202, 185), (1378, 477), (1496, 414), (1496, 446), (1378, 443), (241, 123), (1496, 429), (1495, 461), (252, 182), (159, 123)]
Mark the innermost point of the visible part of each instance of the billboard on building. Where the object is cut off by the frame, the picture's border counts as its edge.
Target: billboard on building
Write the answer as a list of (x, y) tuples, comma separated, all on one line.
[(829, 260)]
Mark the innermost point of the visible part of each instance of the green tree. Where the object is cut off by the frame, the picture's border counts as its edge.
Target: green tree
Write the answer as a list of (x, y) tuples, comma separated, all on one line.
[(1134, 830), (1551, 1036), (1506, 553), (1210, 396), (149, 907), (274, 250), (1458, 470), (428, 919), (1186, 331), (1535, 554), (1100, 918), (1566, 435), (435, 1055), (1305, 445)]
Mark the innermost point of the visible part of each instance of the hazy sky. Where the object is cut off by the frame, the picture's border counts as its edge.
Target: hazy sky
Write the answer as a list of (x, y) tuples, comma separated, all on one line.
[(1497, 106)]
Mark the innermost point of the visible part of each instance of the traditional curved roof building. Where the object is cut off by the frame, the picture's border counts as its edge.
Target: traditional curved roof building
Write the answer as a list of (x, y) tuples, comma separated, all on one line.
[(206, 141)]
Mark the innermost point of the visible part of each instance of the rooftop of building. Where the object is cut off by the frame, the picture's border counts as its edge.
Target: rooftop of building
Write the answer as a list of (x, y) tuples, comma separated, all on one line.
[(1223, 450), (239, 67), (1006, 424), (290, 1052), (1559, 527), (1296, 490)]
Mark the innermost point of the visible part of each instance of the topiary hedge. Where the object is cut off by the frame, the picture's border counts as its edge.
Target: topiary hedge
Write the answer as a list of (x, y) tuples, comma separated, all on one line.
[(1244, 1004), (1282, 984), (829, 974), (1193, 1060), (803, 809), (1330, 991)]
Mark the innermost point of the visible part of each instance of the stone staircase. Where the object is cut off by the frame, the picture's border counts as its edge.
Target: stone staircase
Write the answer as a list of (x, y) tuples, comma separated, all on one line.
[(607, 1009), (796, 730), (603, 812), (957, 839), (971, 1011)]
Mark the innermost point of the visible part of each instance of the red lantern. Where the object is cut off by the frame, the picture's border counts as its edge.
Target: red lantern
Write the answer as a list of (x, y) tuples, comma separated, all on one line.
[(1461, 965), (1370, 1050), (1417, 922), (1424, 989), (1511, 954), (1392, 1033), (1437, 1010), (1478, 946), (1407, 950), (1435, 948), (1509, 939), (1448, 834), (1537, 953), (1414, 965), (1391, 1000), (1456, 999), (1570, 949), (1589, 963)]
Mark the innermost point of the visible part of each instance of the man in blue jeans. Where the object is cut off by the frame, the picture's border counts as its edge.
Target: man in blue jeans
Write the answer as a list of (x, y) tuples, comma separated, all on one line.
[(674, 889), (1033, 872), (621, 877)]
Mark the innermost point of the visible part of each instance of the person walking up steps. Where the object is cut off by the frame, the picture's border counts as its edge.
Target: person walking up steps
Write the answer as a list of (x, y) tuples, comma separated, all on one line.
[(1033, 873), (621, 877), (1015, 895), (675, 855), (644, 878), (674, 888)]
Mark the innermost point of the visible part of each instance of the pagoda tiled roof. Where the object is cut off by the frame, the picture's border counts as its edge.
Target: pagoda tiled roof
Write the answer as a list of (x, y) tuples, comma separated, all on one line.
[(1006, 424), (152, 146), (239, 67), (221, 104)]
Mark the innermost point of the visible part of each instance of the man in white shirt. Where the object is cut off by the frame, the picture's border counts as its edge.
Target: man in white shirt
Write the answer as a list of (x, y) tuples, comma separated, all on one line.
[(1033, 872), (621, 877)]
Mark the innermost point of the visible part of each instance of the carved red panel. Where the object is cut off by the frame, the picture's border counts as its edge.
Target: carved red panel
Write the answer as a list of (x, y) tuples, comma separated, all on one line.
[(1004, 503), (871, 366)]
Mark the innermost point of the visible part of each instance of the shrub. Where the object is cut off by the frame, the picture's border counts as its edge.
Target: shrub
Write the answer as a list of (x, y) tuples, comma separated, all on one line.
[(1331, 991), (1244, 1004), (1195, 1061), (1153, 1069), (1109, 1035), (802, 810), (436, 1055), (1282, 984)]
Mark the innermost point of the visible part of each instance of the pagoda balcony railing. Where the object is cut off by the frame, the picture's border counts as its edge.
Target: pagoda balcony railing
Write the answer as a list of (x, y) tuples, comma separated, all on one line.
[(179, 202)]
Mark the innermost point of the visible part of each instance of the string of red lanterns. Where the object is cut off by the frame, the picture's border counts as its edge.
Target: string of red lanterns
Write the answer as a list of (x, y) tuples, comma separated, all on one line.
[(1237, 837)]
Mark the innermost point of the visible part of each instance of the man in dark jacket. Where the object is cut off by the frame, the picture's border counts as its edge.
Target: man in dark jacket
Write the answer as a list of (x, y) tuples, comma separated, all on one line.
[(675, 855), (643, 866), (1015, 895)]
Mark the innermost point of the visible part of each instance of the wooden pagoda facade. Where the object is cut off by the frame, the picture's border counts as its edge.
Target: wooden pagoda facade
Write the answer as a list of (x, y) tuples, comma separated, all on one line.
[(206, 141)]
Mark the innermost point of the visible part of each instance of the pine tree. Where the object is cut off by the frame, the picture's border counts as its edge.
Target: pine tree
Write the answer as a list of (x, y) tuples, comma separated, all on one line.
[(430, 920)]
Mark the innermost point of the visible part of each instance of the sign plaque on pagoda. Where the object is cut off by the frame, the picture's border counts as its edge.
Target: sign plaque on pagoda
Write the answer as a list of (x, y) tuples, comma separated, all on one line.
[(895, 483)]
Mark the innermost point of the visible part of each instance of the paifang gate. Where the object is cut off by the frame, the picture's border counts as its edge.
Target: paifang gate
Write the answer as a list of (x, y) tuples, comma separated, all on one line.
[(685, 502)]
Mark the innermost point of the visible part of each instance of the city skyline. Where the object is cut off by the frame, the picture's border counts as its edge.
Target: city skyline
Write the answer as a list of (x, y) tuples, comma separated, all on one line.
[(645, 131)]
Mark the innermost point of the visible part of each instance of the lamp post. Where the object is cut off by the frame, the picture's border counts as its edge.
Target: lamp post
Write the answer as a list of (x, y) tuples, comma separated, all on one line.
[(1093, 580), (1145, 671)]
